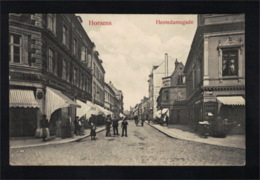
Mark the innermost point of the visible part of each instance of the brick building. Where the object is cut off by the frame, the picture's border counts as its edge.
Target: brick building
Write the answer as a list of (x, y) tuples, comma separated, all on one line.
[(49, 64)]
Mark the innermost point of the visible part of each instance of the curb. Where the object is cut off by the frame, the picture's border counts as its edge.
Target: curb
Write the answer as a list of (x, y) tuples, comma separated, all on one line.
[(192, 140), (54, 143)]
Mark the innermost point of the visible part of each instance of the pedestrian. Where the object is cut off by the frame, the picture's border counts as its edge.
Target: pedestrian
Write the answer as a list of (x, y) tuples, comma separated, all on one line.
[(93, 131), (45, 128), (108, 124), (124, 127), (58, 128), (76, 123), (136, 120), (167, 120), (115, 126), (81, 127), (142, 122)]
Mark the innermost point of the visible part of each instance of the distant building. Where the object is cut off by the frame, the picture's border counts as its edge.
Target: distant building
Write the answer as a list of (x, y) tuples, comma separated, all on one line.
[(109, 98), (173, 90), (215, 70), (119, 100), (98, 74), (155, 81)]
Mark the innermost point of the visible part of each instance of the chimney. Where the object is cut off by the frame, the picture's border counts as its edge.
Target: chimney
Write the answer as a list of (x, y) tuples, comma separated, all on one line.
[(176, 63)]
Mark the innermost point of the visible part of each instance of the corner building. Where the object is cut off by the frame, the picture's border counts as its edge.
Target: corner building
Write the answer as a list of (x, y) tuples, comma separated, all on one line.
[(215, 70), (49, 65)]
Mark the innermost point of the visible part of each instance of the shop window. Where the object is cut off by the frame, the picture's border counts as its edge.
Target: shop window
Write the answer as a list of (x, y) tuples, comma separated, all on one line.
[(230, 62), (51, 23), (15, 51)]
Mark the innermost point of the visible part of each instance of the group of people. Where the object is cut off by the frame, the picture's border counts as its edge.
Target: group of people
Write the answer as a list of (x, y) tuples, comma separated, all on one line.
[(62, 127), (114, 124), (136, 121)]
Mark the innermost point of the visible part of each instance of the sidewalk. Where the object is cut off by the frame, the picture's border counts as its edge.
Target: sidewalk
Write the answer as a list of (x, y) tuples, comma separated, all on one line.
[(185, 133), (35, 142)]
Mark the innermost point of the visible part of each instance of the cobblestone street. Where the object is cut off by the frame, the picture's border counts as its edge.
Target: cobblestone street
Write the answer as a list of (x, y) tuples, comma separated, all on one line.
[(144, 146)]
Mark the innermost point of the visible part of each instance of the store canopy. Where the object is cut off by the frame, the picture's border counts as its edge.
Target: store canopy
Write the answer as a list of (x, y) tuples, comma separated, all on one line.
[(231, 100), (55, 100), (163, 111), (121, 115), (22, 98), (83, 110)]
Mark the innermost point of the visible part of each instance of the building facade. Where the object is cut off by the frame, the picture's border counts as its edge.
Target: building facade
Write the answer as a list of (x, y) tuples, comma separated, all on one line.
[(215, 70), (98, 75), (155, 81), (173, 90), (109, 98), (49, 63), (119, 99)]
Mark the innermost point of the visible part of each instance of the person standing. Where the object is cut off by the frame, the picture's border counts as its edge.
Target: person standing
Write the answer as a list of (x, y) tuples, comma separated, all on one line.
[(124, 127), (136, 120), (108, 124), (167, 120), (76, 124), (115, 126), (81, 127), (58, 128), (45, 128), (93, 131)]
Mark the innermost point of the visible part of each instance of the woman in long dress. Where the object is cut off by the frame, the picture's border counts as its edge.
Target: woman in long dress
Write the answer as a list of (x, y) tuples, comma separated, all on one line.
[(93, 131)]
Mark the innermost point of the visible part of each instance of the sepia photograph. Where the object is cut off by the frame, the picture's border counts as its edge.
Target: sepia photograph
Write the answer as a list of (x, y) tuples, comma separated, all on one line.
[(127, 89)]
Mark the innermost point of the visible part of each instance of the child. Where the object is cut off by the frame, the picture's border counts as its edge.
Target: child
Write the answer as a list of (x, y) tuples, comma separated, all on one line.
[(93, 131)]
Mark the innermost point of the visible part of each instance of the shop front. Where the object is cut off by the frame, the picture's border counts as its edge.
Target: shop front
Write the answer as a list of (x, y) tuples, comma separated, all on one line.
[(57, 107), (23, 109)]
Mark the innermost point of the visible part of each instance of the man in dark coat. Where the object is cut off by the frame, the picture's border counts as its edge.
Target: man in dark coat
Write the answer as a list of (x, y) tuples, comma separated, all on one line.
[(115, 126), (124, 127), (44, 125), (108, 124)]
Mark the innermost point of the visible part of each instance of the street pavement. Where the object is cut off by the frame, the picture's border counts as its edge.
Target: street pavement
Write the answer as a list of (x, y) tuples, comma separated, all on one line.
[(144, 146)]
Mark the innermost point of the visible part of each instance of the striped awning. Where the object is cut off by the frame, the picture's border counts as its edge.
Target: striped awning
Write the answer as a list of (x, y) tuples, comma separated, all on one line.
[(22, 98), (83, 109), (231, 100), (55, 99)]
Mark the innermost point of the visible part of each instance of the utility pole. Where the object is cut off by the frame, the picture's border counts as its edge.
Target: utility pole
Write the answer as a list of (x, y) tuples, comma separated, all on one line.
[(166, 65)]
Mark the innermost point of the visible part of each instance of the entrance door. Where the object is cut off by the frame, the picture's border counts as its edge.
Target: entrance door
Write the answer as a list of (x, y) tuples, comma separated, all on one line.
[(22, 121)]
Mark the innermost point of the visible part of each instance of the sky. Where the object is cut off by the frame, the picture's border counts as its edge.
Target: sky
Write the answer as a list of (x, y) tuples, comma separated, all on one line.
[(132, 44)]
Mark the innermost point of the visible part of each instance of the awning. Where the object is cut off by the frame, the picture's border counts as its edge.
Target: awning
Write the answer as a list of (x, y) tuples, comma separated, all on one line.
[(231, 100), (83, 110), (55, 99), (22, 98), (163, 111), (121, 115), (95, 110)]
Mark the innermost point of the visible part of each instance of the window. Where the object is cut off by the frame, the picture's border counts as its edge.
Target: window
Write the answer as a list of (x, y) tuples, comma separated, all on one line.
[(84, 54), (181, 79), (75, 47), (51, 64), (15, 51), (74, 76), (230, 62), (65, 36), (64, 69), (51, 18), (68, 72)]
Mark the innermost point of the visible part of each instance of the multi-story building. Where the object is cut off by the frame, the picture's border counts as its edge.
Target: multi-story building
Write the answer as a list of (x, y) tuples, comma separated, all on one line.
[(155, 81), (49, 69), (215, 70), (109, 98), (173, 90), (119, 98), (98, 83)]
